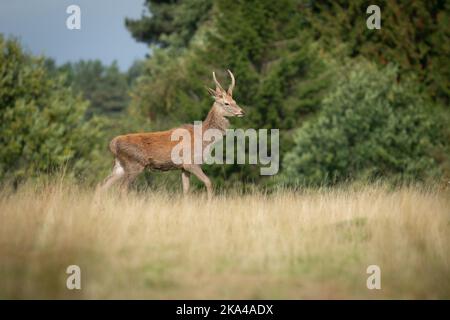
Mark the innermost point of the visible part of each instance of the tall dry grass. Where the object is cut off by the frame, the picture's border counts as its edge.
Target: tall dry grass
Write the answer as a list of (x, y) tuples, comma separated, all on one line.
[(314, 244)]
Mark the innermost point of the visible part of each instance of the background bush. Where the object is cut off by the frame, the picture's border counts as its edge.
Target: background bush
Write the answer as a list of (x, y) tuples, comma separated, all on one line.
[(370, 126), (42, 122)]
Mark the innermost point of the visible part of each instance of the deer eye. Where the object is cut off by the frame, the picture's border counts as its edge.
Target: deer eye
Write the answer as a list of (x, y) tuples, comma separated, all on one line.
[(227, 104)]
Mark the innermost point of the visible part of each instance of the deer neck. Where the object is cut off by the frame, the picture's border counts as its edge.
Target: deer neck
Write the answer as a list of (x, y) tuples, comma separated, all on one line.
[(215, 120)]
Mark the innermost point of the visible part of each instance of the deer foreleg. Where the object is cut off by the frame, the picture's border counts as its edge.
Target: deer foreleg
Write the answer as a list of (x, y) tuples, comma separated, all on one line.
[(185, 175), (198, 172)]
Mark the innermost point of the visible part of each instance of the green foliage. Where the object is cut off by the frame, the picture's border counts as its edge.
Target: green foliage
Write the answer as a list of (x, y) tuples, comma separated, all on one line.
[(280, 78), (171, 23), (166, 93), (105, 87), (413, 35), (42, 123), (370, 126)]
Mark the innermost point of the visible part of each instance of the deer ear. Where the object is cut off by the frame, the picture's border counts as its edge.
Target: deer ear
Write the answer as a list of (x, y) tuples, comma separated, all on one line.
[(211, 91)]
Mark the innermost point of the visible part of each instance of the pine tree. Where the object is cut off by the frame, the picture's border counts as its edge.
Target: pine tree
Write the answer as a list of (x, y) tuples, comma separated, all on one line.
[(171, 23), (413, 35)]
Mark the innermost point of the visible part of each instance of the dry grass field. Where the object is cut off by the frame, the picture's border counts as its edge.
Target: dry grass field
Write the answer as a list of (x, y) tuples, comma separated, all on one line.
[(286, 245)]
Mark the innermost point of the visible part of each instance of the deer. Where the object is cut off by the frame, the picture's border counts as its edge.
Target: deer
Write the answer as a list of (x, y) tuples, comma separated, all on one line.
[(135, 152)]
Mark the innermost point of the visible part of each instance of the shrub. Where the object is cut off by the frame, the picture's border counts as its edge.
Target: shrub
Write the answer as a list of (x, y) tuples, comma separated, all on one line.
[(370, 126), (42, 123)]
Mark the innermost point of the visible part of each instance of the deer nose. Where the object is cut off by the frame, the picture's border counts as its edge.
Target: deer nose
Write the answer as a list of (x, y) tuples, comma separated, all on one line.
[(241, 113)]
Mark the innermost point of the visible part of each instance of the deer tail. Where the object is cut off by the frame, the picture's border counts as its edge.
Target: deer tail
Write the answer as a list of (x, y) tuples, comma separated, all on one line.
[(113, 146)]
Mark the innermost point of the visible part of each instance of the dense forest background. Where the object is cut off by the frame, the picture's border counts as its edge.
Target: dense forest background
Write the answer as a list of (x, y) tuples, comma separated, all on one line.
[(351, 103)]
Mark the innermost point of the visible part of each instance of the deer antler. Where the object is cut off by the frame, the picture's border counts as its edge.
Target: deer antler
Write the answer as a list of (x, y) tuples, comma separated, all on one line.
[(217, 82), (233, 82)]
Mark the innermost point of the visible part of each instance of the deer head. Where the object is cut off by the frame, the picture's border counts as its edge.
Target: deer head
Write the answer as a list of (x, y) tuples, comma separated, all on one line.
[(224, 99)]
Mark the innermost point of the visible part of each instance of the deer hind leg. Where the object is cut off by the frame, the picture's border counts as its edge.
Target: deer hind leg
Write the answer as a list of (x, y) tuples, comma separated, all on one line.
[(117, 174), (198, 172), (185, 175), (132, 170)]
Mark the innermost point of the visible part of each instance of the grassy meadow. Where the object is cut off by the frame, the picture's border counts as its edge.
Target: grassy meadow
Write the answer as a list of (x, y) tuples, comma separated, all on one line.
[(285, 245)]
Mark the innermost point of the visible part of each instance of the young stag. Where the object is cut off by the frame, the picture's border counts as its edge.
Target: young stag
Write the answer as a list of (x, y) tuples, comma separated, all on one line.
[(137, 151)]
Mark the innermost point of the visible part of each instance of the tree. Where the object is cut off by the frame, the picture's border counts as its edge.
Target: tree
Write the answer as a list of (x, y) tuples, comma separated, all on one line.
[(42, 122), (171, 23), (370, 127), (413, 35), (105, 87)]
